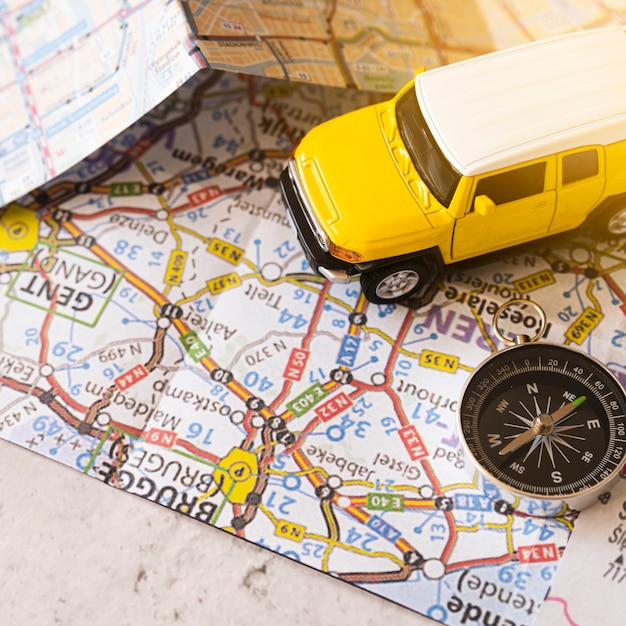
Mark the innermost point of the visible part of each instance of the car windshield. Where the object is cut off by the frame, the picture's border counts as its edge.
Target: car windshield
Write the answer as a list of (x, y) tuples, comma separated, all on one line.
[(436, 171)]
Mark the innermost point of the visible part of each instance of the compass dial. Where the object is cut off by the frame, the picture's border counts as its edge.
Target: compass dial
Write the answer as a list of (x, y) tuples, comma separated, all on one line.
[(545, 421)]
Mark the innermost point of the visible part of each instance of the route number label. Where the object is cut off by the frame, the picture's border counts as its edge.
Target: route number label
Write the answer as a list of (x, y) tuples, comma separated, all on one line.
[(334, 406), (296, 364), (584, 324), (307, 400), (160, 437), (131, 377), (385, 530), (175, 267), (539, 553), (222, 283), (413, 443), (134, 188), (289, 530), (348, 350), (204, 195), (194, 346), (534, 281), (377, 501), (224, 250), (439, 361), (139, 148)]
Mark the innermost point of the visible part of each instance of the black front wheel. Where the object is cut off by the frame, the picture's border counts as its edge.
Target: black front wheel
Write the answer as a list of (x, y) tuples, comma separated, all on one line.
[(393, 283)]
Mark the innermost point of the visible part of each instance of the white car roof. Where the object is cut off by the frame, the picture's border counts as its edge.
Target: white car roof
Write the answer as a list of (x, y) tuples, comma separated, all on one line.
[(526, 102)]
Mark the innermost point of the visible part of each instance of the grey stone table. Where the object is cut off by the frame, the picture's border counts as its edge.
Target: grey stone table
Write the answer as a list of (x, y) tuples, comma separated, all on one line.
[(76, 552)]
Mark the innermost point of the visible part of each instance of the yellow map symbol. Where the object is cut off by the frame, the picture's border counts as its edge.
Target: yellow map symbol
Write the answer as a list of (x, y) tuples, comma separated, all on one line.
[(236, 474), (19, 228)]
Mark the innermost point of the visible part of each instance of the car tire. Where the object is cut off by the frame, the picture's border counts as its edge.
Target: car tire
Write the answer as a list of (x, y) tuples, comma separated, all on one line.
[(393, 283), (612, 221)]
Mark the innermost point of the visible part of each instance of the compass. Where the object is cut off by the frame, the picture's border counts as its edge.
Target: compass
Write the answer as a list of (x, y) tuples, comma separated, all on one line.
[(544, 421)]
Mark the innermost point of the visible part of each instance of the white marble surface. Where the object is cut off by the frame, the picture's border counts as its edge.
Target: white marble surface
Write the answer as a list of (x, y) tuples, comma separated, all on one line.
[(74, 551)]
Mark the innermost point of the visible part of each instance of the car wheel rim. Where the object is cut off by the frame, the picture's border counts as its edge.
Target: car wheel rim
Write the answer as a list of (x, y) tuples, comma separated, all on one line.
[(617, 223), (397, 284)]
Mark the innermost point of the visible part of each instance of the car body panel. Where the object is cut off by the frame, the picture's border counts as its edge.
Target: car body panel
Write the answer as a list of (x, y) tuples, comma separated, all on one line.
[(353, 203)]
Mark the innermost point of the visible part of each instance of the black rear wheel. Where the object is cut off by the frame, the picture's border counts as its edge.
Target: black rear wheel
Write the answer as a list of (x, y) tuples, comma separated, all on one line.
[(612, 221)]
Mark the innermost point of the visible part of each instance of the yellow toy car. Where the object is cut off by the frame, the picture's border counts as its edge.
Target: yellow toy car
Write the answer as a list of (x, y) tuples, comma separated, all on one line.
[(467, 159)]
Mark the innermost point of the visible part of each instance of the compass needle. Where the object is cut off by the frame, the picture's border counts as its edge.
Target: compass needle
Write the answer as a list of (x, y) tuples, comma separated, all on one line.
[(567, 410)]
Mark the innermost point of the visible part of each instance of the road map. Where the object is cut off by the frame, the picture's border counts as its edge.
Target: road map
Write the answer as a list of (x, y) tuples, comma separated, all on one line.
[(161, 332)]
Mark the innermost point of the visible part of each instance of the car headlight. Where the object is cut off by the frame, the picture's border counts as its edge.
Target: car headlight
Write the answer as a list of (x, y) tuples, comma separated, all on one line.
[(344, 254)]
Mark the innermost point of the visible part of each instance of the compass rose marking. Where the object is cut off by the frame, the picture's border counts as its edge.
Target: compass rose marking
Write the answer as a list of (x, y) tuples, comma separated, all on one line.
[(533, 446), (548, 445), (560, 429), (541, 447), (570, 436), (523, 419), (556, 445), (523, 427), (556, 439)]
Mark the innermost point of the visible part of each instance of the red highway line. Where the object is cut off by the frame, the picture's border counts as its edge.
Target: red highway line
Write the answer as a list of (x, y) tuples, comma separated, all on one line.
[(183, 443)]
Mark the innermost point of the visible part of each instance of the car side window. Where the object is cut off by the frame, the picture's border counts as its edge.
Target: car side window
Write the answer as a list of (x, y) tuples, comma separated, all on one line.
[(579, 165), (513, 185)]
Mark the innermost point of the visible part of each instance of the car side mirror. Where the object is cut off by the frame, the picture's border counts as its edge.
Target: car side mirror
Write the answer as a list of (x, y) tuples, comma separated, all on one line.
[(484, 205)]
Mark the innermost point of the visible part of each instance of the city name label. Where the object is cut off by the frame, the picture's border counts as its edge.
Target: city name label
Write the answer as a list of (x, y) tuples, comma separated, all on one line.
[(65, 284)]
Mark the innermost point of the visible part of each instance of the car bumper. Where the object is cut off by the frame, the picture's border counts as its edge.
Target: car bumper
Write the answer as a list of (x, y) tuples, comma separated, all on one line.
[(321, 261)]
